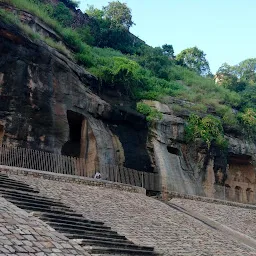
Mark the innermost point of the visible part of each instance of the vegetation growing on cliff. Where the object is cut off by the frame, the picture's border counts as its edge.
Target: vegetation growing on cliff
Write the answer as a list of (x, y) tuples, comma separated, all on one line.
[(209, 129), (121, 61), (150, 113), (248, 121)]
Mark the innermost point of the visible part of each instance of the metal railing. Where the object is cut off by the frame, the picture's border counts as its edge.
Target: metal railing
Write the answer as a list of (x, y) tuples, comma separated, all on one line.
[(49, 162)]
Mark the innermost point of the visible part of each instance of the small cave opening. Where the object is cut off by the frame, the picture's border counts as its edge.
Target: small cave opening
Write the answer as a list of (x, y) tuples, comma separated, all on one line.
[(239, 159), (174, 151), (73, 145), (228, 191), (249, 195), (238, 194), (1, 133)]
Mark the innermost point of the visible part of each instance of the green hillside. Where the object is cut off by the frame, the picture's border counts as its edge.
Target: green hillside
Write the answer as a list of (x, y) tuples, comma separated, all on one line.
[(107, 49)]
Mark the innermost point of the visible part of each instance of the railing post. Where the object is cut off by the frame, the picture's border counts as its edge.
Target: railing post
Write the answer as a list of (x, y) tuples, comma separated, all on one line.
[(1, 157), (116, 170), (23, 157)]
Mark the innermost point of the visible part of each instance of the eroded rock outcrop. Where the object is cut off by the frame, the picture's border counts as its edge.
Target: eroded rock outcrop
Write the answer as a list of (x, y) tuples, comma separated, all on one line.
[(46, 104), (195, 169)]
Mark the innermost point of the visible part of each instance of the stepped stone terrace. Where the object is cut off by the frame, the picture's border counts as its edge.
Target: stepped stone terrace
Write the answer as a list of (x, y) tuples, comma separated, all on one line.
[(49, 214)]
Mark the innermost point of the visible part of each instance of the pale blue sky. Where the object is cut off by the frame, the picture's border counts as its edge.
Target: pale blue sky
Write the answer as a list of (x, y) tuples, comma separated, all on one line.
[(223, 29)]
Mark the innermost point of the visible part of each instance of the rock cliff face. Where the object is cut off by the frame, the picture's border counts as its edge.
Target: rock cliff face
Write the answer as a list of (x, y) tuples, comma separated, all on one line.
[(47, 103), (194, 169)]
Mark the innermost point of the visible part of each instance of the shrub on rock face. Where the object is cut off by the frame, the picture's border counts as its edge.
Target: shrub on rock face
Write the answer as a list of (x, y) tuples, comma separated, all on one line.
[(150, 113), (209, 129), (248, 120)]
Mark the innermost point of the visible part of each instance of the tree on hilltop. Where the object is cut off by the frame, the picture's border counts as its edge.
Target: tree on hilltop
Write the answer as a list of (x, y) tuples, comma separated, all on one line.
[(246, 70), (110, 27), (194, 59), (119, 14), (95, 12), (71, 3), (237, 77), (168, 50)]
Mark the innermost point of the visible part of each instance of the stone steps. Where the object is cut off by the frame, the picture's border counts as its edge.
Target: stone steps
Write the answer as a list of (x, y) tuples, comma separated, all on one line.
[(106, 250), (40, 209), (5, 179), (20, 192), (88, 235), (27, 196), (85, 233), (38, 204), (114, 244), (33, 200), (77, 225), (82, 230), (67, 219), (4, 175), (93, 235), (16, 186), (105, 241)]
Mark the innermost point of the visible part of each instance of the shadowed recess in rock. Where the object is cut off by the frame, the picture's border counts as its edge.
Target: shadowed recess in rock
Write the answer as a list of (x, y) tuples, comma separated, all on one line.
[(72, 146), (134, 143), (173, 150)]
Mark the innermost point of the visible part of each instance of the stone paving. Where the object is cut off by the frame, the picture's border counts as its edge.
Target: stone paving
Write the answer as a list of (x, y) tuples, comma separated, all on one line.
[(143, 220), (23, 234), (240, 219)]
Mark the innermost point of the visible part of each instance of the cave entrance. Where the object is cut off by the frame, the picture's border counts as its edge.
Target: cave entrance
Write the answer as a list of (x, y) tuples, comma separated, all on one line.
[(239, 159), (228, 191), (82, 143), (238, 194), (75, 122), (174, 151), (1, 134), (249, 195)]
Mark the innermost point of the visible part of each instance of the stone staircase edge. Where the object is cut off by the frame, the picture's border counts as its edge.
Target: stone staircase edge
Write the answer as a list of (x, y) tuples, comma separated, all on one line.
[(71, 179), (172, 195)]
